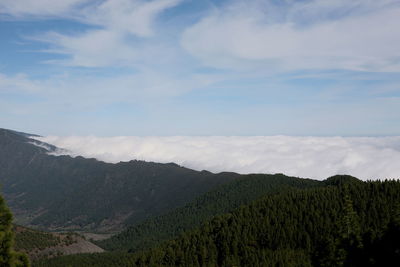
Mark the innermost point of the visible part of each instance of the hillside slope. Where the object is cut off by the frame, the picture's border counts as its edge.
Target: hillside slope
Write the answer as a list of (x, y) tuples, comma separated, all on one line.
[(61, 192)]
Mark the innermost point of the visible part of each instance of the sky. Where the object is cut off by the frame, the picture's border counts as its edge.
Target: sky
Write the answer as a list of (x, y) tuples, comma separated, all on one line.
[(200, 67)]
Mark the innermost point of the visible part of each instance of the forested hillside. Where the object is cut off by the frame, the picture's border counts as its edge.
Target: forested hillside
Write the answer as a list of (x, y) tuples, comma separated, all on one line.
[(65, 193), (223, 199), (349, 223)]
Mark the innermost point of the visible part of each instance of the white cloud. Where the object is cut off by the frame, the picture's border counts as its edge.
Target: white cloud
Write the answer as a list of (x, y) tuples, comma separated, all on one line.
[(23, 8), (332, 34), (121, 27), (314, 157), (335, 34), (73, 91), (18, 83), (135, 17), (95, 48)]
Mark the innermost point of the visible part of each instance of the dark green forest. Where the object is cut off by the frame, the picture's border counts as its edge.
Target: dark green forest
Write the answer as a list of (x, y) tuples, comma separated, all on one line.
[(223, 199), (346, 222)]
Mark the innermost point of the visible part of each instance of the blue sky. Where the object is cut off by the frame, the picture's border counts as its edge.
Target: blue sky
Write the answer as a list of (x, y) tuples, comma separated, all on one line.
[(181, 67)]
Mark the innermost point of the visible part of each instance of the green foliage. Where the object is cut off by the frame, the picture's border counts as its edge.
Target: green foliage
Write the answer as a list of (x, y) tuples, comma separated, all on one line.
[(223, 199), (8, 257), (349, 224)]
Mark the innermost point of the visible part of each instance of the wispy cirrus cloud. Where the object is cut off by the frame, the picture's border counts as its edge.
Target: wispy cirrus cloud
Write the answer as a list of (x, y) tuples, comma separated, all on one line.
[(314, 157), (117, 29), (39, 8), (18, 83), (360, 35), (95, 48), (335, 34), (126, 16)]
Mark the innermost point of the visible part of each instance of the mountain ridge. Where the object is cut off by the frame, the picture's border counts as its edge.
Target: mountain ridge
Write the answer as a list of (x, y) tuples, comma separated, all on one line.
[(66, 193)]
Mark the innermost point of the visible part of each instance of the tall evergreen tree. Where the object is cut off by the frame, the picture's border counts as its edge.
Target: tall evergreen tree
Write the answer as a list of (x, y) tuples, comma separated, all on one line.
[(349, 241), (350, 225), (8, 257)]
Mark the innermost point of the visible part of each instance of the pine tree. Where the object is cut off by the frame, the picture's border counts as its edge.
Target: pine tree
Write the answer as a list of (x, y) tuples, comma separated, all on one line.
[(349, 241), (8, 257), (349, 225)]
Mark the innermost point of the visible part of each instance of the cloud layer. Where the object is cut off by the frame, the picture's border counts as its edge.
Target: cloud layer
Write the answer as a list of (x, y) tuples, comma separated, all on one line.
[(313, 157)]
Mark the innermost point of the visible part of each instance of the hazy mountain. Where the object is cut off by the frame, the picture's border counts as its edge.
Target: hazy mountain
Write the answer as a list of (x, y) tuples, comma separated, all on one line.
[(61, 192)]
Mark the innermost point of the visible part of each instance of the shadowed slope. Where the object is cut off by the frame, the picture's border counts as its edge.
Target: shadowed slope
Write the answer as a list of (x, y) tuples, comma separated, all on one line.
[(61, 192)]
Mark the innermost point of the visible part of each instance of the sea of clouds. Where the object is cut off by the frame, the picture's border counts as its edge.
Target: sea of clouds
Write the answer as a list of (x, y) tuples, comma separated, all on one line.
[(312, 157)]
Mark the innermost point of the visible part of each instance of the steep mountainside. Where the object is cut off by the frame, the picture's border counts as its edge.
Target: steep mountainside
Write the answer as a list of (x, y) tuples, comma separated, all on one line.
[(61, 192), (224, 198)]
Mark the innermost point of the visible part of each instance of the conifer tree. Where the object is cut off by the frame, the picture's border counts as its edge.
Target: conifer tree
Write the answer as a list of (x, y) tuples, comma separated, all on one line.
[(349, 225), (8, 257), (349, 242)]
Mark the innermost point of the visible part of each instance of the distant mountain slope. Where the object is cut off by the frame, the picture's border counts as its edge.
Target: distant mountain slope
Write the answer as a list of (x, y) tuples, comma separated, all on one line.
[(61, 192), (347, 223), (223, 199)]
